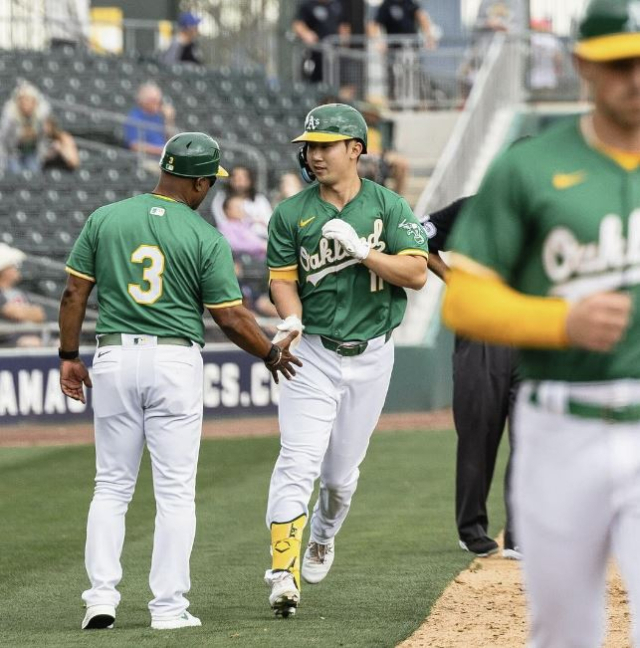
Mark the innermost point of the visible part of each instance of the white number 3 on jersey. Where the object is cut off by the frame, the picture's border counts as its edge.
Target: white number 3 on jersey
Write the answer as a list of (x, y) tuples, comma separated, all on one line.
[(152, 274)]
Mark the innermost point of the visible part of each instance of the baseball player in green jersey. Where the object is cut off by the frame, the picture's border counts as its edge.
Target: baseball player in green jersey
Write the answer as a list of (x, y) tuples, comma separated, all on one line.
[(548, 259), (340, 253), (156, 263)]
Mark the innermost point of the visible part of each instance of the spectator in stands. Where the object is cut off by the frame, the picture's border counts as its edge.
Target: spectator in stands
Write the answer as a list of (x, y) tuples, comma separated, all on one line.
[(546, 58), (183, 48), (14, 304), (242, 183), (381, 162), (23, 139), (237, 228), (249, 252), (67, 22), (288, 185), (61, 151), (151, 123), (314, 21)]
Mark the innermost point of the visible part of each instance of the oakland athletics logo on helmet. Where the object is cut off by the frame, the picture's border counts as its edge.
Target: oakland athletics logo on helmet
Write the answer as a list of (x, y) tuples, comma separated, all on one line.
[(192, 155), (332, 123), (609, 30)]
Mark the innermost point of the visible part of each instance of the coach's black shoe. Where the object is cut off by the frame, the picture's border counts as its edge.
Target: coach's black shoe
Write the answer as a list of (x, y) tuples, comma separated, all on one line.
[(481, 547), (99, 617)]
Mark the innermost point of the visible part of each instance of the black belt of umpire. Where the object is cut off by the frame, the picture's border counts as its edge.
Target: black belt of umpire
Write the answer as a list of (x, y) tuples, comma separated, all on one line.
[(115, 339), (348, 348)]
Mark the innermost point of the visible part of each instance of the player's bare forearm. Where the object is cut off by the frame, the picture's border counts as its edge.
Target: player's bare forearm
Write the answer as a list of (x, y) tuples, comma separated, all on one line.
[(286, 299), (403, 270), (240, 326), (72, 309), (438, 266)]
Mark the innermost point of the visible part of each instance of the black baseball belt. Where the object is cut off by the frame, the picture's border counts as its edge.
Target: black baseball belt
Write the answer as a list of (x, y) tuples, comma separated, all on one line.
[(115, 339), (347, 349)]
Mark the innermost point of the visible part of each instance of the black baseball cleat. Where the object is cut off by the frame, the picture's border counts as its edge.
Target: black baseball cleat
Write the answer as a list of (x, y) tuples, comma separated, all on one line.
[(481, 547)]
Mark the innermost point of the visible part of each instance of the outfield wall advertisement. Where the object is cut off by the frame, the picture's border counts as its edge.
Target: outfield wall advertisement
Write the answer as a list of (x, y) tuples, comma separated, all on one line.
[(235, 383)]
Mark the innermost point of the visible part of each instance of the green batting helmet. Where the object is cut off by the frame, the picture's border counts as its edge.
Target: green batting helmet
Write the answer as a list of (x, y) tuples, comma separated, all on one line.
[(332, 123), (609, 30), (192, 155)]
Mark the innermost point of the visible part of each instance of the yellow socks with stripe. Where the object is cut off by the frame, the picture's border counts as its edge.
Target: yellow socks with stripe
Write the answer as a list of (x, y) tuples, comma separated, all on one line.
[(286, 541)]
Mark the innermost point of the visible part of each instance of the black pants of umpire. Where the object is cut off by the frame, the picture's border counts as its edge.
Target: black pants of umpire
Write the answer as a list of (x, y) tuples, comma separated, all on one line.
[(485, 383)]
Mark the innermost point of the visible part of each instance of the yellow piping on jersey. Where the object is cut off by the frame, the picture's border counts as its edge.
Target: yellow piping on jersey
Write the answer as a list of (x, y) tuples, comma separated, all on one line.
[(75, 273), (235, 302), (628, 160), (485, 308), (414, 252), (290, 273), (157, 195)]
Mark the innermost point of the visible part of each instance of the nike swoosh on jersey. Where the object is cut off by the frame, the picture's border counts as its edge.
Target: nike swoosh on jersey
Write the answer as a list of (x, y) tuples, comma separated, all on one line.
[(568, 180), (304, 223)]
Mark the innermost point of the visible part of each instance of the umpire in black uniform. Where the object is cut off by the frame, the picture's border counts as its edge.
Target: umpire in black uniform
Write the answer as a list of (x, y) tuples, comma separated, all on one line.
[(485, 383)]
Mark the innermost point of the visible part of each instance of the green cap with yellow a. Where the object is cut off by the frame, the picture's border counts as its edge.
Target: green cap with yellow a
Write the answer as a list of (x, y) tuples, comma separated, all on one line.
[(609, 30), (332, 123)]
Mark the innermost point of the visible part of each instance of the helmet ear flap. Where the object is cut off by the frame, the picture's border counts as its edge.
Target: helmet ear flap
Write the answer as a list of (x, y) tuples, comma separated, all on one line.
[(305, 170)]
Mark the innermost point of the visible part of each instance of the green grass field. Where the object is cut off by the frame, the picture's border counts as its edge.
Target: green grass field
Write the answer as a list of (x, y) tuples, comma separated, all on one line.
[(394, 556)]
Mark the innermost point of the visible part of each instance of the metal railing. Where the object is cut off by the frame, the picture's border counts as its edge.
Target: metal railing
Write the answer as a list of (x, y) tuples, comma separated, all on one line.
[(498, 84), (399, 70)]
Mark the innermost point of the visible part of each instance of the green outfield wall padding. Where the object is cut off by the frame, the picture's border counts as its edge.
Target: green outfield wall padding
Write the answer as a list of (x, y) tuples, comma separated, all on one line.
[(421, 378)]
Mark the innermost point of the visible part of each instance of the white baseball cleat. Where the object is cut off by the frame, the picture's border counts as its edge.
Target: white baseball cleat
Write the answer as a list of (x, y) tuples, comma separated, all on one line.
[(99, 617), (285, 595), (184, 620), (317, 561), (512, 553)]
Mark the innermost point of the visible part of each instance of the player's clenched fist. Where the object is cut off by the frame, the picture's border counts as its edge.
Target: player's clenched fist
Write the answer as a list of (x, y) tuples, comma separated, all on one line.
[(348, 238), (598, 322)]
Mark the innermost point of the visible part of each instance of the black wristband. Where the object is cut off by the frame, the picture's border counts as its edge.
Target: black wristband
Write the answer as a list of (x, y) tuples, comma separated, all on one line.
[(68, 355), (274, 352)]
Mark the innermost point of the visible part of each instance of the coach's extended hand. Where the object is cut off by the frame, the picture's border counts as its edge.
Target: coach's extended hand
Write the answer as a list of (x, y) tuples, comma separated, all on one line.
[(280, 358)]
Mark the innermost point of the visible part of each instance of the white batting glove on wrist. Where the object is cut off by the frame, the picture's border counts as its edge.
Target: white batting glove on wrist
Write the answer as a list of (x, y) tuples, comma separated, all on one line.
[(348, 238), (291, 323)]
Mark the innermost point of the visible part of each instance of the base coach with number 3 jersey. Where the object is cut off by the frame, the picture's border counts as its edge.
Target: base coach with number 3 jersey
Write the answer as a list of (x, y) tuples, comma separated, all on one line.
[(156, 264), (340, 253), (548, 259)]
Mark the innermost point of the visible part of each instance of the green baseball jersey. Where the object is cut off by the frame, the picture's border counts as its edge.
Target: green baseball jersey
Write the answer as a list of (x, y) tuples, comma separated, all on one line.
[(156, 262), (341, 298), (556, 217)]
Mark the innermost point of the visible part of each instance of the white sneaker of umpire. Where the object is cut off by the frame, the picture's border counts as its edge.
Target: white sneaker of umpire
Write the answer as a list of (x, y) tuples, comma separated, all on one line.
[(99, 617), (317, 561), (285, 595), (184, 620)]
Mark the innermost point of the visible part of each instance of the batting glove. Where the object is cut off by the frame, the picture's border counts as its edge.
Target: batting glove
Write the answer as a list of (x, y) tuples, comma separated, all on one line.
[(348, 238), (291, 323)]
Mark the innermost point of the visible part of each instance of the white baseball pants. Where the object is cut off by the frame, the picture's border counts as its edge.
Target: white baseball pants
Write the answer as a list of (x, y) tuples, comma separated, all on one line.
[(577, 502), (327, 415), (153, 394)]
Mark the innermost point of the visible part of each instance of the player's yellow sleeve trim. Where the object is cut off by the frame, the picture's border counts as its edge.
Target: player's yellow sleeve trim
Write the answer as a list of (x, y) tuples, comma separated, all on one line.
[(75, 273), (414, 252), (289, 273), (235, 302), (457, 260), (484, 308)]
